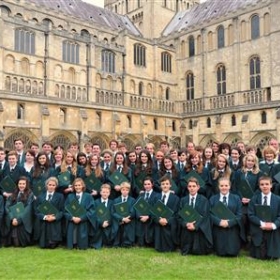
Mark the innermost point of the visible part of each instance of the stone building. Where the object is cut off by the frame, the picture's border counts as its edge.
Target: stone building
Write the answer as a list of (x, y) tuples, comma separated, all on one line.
[(139, 71)]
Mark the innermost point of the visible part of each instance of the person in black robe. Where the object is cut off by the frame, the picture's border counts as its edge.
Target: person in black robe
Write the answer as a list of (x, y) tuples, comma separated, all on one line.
[(227, 233), (18, 229), (265, 234), (145, 224), (102, 235), (47, 228), (196, 236), (166, 229), (79, 229), (124, 225), (1, 217)]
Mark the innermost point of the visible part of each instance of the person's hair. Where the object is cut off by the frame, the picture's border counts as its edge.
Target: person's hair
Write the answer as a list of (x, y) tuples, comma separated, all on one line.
[(113, 167), (164, 143), (227, 172), (125, 185), (12, 153), (19, 139), (47, 143), (105, 186), (165, 178), (31, 152), (106, 151), (34, 144), (212, 159), (38, 168), (148, 169), (51, 179), (224, 146), (163, 169), (224, 179), (79, 155), (269, 150), (26, 192), (200, 165), (113, 141), (79, 180), (98, 172), (265, 178), (193, 180), (74, 168), (148, 178), (88, 144), (256, 168)]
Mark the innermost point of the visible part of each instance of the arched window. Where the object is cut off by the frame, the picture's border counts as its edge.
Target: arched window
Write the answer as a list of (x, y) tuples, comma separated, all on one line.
[(221, 37), (166, 62), (266, 20), (233, 120), (191, 46), (167, 93), (190, 86), (140, 89), (108, 61), (24, 41), (129, 122), (62, 115), (221, 79), (255, 27), (230, 34), (139, 55), (155, 124), (70, 52), (263, 117), (210, 41), (20, 111), (255, 72), (208, 122)]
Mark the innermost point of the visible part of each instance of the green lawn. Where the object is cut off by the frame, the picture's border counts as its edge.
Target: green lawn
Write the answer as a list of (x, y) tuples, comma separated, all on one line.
[(134, 263)]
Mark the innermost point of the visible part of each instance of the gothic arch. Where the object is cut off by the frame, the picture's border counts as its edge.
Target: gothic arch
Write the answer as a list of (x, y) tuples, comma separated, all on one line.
[(27, 136), (62, 138), (101, 139), (207, 140), (232, 139), (260, 140)]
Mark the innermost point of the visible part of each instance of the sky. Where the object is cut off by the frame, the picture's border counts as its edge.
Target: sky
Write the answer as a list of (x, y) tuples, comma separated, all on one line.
[(100, 3)]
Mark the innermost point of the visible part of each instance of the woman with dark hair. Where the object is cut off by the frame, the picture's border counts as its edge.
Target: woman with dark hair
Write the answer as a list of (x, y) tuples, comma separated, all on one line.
[(93, 169), (236, 157), (82, 159), (119, 165), (40, 173), (195, 168), (225, 149), (29, 161), (143, 169), (18, 219)]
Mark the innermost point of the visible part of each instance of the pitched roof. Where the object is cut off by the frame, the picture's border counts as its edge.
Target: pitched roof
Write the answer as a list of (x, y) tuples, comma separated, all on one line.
[(90, 13), (204, 12)]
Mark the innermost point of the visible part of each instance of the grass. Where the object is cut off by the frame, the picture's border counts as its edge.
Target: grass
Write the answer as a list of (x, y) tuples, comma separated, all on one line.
[(133, 263)]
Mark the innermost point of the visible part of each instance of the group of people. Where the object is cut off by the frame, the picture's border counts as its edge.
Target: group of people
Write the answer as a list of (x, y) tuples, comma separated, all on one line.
[(199, 200)]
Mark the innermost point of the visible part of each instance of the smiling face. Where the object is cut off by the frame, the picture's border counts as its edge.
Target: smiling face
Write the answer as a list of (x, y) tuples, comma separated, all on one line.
[(224, 186), (193, 188), (78, 186), (221, 163), (22, 185), (51, 186), (42, 159), (265, 186), (148, 185), (165, 186)]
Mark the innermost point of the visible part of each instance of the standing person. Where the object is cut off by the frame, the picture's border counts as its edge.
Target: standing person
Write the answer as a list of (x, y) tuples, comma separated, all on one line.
[(35, 148), (88, 149), (103, 232), (236, 157), (3, 162), (29, 161), (106, 164), (265, 233), (113, 146), (125, 233), (19, 148), (19, 229), (119, 165), (82, 159), (1, 217), (40, 173), (268, 162), (221, 170), (150, 147), (94, 170), (48, 225), (79, 228), (69, 165), (58, 158), (166, 229), (227, 232), (144, 223), (208, 158), (196, 235), (47, 147), (143, 169), (12, 170)]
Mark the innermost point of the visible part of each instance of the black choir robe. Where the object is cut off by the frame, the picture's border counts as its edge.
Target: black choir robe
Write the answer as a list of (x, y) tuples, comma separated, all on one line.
[(199, 241), (166, 237), (44, 231), (227, 241), (270, 240), (124, 234), (145, 231)]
